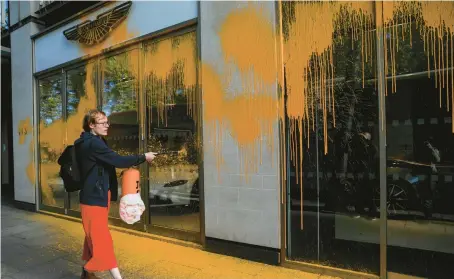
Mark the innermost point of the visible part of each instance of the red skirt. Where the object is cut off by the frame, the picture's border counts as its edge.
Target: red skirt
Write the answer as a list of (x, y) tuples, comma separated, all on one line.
[(98, 244)]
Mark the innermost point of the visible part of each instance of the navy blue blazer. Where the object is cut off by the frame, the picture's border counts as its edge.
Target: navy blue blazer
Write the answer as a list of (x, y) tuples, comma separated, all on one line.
[(97, 163)]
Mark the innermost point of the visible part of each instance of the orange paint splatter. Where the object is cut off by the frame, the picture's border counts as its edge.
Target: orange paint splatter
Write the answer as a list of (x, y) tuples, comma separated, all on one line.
[(247, 37), (25, 129), (247, 40), (309, 55), (435, 21), (170, 65), (56, 136), (309, 67)]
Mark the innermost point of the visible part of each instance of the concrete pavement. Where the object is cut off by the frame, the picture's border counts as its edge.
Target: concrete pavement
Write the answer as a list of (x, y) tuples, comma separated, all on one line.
[(38, 246)]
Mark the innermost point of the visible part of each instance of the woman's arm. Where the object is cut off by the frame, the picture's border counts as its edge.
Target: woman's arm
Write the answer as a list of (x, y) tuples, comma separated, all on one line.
[(106, 155)]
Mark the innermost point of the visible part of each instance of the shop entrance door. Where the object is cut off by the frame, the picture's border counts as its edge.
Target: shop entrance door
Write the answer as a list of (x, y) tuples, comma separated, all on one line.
[(64, 98)]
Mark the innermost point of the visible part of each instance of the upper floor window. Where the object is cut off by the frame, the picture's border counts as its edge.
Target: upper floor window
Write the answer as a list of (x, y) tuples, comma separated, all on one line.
[(4, 14)]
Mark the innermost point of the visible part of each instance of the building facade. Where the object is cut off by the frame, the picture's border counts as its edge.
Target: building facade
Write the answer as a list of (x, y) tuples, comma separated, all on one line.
[(309, 135)]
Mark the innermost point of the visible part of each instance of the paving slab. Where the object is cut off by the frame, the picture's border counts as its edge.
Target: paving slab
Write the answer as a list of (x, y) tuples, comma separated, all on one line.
[(51, 270), (8, 271), (28, 258)]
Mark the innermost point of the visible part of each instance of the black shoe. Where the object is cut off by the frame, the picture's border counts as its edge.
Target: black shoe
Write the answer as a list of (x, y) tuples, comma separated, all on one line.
[(84, 274)]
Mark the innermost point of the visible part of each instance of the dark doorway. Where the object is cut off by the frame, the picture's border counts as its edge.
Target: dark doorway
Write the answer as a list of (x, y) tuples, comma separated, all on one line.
[(6, 128)]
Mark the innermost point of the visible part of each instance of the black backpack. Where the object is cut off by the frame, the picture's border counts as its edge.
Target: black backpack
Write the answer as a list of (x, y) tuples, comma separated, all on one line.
[(69, 170)]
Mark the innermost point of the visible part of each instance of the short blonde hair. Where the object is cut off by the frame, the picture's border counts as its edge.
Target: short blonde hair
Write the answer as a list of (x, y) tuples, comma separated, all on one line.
[(90, 118)]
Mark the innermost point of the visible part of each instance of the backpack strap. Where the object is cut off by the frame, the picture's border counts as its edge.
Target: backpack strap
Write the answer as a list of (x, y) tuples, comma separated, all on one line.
[(75, 164)]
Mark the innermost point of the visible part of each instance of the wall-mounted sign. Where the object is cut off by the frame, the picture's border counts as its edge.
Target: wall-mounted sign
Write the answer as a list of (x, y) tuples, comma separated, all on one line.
[(93, 32)]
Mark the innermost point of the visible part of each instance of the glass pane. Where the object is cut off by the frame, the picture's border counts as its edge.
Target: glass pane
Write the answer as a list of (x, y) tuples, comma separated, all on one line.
[(51, 141), (420, 148), (332, 109), (420, 172), (81, 97), (120, 103), (171, 108)]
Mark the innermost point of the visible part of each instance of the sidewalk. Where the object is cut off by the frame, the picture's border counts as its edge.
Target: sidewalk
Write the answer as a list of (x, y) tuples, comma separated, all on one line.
[(39, 246)]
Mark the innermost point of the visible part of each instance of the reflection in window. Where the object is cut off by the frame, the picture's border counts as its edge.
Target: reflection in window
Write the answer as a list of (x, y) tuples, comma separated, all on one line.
[(332, 211), (75, 89), (170, 111), (50, 100), (119, 102), (420, 164), (76, 80), (119, 83), (410, 56), (50, 140)]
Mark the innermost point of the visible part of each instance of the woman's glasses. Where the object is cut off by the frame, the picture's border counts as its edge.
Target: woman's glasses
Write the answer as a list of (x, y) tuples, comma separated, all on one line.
[(105, 124)]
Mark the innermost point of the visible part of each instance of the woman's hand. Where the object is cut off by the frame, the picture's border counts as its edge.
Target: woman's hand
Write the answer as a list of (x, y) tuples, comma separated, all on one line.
[(149, 156)]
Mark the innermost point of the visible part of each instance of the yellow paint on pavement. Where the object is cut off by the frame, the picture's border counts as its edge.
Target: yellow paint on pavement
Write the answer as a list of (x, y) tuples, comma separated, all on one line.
[(150, 258)]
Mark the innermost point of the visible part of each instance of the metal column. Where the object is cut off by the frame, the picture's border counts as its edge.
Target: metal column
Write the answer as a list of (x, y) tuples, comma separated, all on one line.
[(381, 84)]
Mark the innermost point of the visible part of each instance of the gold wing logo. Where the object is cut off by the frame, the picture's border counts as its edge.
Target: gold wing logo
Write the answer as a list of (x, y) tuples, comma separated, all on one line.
[(93, 32)]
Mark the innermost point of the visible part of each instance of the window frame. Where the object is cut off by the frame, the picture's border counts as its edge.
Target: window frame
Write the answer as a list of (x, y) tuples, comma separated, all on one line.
[(134, 44)]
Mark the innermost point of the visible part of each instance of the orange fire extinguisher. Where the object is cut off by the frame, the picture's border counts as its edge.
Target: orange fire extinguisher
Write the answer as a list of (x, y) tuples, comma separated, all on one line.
[(131, 205), (130, 182)]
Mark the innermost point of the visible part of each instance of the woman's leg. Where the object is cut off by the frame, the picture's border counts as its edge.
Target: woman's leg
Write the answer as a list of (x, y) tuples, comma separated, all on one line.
[(98, 239), (87, 250), (115, 272)]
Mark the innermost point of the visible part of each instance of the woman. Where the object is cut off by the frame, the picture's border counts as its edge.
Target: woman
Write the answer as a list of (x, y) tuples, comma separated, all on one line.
[(97, 163)]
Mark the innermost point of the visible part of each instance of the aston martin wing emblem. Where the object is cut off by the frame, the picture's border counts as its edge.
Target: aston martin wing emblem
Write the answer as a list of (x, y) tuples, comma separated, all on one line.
[(93, 32)]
